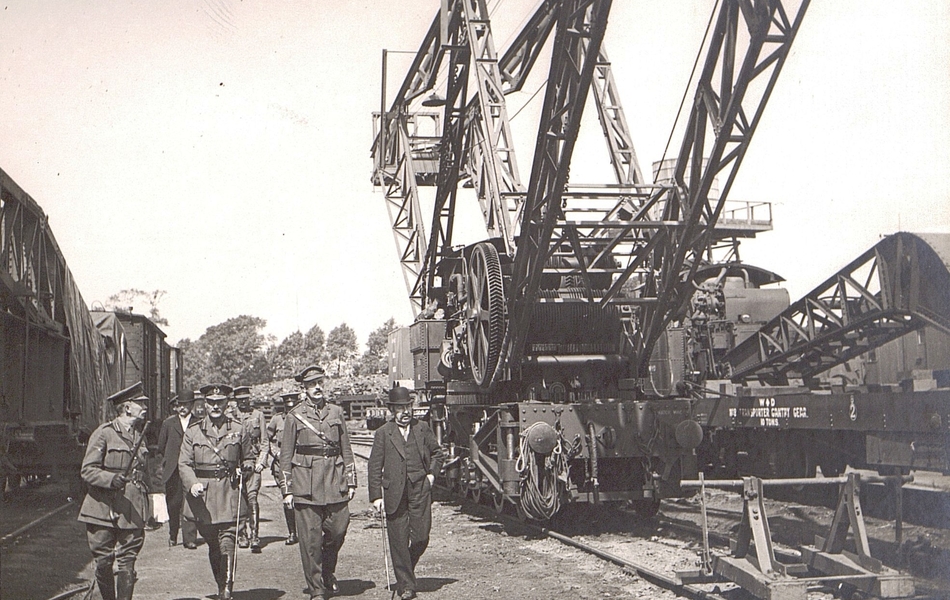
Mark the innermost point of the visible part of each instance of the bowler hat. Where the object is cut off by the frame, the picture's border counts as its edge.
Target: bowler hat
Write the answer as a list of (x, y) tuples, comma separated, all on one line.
[(214, 392), (399, 396), (186, 397), (311, 373), (133, 392)]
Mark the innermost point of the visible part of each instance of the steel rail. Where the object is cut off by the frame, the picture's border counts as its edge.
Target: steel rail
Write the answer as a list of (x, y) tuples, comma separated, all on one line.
[(17, 533), (73, 592)]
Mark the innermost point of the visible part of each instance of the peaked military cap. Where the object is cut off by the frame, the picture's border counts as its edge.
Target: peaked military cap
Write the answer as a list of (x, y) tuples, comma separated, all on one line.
[(133, 392), (214, 392), (289, 396), (311, 373), (242, 391), (399, 396)]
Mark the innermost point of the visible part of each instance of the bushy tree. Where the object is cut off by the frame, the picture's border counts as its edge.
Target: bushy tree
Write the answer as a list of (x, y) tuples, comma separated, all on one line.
[(233, 352), (288, 357), (314, 346), (341, 347), (132, 297), (376, 357)]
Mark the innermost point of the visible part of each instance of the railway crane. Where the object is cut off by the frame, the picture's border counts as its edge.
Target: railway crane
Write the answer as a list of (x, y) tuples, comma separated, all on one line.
[(603, 341)]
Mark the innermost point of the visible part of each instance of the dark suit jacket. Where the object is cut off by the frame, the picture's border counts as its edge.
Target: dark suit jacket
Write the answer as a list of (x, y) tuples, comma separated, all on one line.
[(169, 444), (387, 465)]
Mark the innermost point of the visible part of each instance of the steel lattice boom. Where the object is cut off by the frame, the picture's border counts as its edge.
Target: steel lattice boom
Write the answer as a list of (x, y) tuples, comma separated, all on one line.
[(898, 286)]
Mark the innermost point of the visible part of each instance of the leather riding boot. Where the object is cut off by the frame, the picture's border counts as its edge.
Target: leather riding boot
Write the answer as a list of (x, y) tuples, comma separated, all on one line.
[(225, 585), (254, 521), (291, 519), (124, 585), (105, 580)]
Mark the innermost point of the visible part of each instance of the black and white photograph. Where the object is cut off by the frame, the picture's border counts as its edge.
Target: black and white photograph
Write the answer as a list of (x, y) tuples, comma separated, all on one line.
[(474, 299)]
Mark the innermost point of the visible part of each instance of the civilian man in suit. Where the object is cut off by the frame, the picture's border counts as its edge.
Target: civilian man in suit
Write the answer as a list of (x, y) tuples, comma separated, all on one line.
[(169, 444), (402, 466), (319, 481)]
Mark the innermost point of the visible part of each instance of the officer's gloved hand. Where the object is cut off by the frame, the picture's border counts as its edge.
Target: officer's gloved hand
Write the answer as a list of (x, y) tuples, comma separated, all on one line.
[(378, 504), (118, 481)]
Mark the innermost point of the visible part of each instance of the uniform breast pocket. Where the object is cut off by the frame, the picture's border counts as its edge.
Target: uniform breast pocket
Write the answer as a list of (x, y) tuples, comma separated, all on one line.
[(256, 434), (335, 426), (232, 453), (116, 459)]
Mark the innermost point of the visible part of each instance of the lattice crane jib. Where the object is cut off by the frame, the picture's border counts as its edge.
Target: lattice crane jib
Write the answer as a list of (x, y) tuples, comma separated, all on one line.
[(900, 285), (627, 249)]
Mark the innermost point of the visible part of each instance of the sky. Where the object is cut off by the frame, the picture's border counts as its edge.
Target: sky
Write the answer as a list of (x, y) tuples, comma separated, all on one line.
[(220, 149)]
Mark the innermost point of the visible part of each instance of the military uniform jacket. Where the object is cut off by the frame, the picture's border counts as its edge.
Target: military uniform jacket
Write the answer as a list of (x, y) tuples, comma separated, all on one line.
[(108, 452), (317, 464), (211, 456), (275, 434), (387, 461), (256, 427)]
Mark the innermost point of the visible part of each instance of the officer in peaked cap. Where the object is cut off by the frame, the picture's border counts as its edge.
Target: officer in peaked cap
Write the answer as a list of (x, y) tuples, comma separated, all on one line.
[(169, 444), (283, 403), (211, 453), (255, 425), (407, 451), (319, 480), (116, 505)]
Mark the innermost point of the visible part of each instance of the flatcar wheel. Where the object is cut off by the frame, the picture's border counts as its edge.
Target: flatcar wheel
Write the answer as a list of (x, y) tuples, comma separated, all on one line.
[(646, 508), (520, 512), (486, 312), (498, 502)]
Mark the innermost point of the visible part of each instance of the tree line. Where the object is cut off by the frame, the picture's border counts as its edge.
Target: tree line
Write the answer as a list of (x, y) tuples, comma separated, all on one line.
[(238, 352)]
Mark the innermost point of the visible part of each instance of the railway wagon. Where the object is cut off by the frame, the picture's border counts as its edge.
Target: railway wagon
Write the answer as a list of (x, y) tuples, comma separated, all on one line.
[(149, 359), (56, 365)]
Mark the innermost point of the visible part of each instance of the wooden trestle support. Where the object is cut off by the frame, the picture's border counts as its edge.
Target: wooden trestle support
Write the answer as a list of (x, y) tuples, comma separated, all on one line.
[(752, 564)]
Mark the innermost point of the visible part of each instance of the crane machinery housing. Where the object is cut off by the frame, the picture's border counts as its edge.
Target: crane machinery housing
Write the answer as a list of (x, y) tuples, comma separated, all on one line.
[(604, 341)]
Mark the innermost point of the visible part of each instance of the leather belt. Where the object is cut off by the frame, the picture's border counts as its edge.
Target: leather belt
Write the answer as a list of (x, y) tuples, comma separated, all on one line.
[(318, 451), (219, 473)]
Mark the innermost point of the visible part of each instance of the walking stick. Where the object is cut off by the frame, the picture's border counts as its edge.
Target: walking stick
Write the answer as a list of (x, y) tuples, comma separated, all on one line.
[(237, 528), (382, 518)]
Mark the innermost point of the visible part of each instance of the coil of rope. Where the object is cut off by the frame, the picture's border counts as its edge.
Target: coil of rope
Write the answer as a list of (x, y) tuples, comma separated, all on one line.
[(542, 486)]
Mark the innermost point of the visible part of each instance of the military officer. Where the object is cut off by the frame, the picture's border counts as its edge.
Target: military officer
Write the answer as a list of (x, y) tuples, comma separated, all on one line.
[(255, 424), (116, 505), (283, 404), (319, 480), (402, 466), (211, 454)]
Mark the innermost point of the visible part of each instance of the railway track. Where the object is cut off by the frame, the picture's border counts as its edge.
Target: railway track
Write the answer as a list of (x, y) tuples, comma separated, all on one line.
[(644, 549), (678, 538)]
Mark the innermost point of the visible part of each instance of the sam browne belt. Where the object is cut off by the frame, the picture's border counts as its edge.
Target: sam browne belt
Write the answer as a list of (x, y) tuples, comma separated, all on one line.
[(219, 473), (326, 451)]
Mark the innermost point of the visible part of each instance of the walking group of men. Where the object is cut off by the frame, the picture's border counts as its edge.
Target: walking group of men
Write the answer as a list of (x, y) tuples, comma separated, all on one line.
[(212, 477)]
